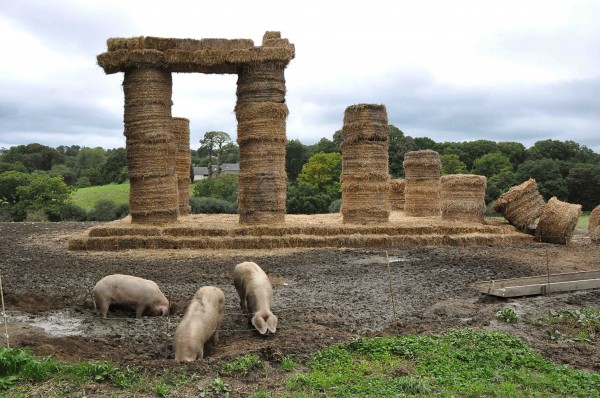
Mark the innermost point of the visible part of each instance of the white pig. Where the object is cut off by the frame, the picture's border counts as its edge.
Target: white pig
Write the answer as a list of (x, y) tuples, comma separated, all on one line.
[(256, 296), (200, 324), (132, 292)]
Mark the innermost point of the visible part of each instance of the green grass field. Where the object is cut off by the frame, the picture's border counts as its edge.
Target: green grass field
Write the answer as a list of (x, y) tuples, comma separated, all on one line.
[(87, 197)]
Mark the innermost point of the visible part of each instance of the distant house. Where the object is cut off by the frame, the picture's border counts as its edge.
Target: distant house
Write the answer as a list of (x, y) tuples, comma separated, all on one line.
[(201, 173)]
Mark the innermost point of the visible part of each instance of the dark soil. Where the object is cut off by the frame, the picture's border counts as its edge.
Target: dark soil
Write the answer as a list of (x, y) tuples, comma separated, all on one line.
[(320, 297)]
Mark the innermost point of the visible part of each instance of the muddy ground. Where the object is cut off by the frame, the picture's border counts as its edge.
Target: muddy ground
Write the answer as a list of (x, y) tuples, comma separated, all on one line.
[(320, 296)]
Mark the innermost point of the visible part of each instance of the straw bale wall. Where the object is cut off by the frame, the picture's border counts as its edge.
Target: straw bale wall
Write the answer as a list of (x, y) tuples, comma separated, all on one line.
[(521, 205), (594, 225), (261, 114), (365, 176), (422, 190), (557, 222), (150, 146), (183, 160), (463, 197), (396, 194)]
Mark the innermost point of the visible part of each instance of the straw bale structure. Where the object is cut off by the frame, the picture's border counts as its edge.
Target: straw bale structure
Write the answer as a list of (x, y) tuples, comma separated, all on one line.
[(463, 197), (397, 194), (557, 222), (594, 225), (365, 177), (422, 190), (183, 159), (521, 205)]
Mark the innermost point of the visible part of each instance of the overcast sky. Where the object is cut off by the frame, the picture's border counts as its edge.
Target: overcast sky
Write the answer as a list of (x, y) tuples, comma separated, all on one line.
[(453, 71)]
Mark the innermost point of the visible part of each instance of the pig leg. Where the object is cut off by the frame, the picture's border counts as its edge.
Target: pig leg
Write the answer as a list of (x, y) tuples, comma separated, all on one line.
[(139, 310), (103, 305), (214, 339)]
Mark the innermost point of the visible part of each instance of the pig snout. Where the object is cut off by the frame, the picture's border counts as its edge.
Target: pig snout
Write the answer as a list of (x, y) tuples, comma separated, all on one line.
[(161, 309)]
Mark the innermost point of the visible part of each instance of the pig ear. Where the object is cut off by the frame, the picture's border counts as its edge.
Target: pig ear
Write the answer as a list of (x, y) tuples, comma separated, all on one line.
[(259, 323), (272, 323)]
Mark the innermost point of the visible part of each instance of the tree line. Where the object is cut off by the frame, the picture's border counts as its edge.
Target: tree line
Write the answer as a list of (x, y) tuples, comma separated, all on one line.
[(37, 178)]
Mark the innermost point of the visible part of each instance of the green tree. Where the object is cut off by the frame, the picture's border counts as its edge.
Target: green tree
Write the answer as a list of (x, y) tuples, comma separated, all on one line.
[(212, 145), (114, 167), (33, 156), (399, 144), (491, 163), (471, 150), (324, 145), (7, 166), (498, 184), (304, 198), (547, 174), (9, 182), (559, 150), (322, 171), (69, 176), (584, 185), (423, 143), (224, 187), (44, 193), (89, 163), (451, 164), (338, 139), (515, 151), (296, 154)]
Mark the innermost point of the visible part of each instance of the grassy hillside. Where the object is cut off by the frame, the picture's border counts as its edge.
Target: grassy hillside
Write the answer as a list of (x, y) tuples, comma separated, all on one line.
[(86, 197)]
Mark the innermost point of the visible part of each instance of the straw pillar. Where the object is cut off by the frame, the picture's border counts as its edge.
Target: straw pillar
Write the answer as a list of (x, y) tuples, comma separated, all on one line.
[(463, 197), (150, 146), (422, 191), (261, 113), (365, 176), (183, 160)]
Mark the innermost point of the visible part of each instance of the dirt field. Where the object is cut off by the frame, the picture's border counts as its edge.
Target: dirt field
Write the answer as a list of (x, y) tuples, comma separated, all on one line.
[(320, 296)]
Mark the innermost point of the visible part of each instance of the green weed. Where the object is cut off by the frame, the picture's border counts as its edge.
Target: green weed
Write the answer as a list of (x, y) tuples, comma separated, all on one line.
[(244, 364), (287, 364), (507, 315), (581, 325)]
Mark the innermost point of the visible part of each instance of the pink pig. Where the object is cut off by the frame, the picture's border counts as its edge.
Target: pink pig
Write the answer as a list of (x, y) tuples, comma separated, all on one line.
[(132, 292), (256, 296)]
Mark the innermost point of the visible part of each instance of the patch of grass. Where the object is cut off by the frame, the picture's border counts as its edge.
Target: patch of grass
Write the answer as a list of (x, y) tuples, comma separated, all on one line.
[(87, 197), (287, 364), (219, 387), (583, 221), (581, 325), (507, 315), (244, 364), (461, 362)]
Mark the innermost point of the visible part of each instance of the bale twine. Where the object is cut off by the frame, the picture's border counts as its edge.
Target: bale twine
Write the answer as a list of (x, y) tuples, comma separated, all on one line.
[(396, 194), (422, 189), (521, 205), (365, 176), (150, 146), (183, 159), (463, 197), (594, 225), (261, 115), (557, 222)]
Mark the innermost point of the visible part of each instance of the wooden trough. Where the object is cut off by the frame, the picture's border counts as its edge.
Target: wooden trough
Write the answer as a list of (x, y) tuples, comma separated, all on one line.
[(542, 284)]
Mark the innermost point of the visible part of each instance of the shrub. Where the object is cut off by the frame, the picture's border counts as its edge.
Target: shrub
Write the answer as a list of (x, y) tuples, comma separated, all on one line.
[(71, 212), (36, 215), (122, 210), (335, 206), (212, 206), (104, 210), (303, 198)]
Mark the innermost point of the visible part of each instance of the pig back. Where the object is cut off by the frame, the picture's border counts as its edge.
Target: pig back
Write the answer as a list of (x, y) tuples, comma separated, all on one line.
[(129, 290)]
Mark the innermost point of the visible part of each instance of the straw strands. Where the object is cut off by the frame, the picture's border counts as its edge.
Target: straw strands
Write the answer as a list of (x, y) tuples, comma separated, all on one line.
[(463, 197), (594, 225), (396, 194), (365, 178), (422, 189), (557, 222), (521, 205), (183, 159)]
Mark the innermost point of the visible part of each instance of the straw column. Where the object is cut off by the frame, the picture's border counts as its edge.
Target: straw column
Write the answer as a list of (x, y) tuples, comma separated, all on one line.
[(422, 191), (463, 197), (397, 194), (183, 160), (150, 146), (365, 176), (261, 113)]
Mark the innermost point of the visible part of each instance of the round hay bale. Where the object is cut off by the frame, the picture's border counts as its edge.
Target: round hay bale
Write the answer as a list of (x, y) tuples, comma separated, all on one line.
[(422, 164), (147, 159), (261, 198), (261, 82), (422, 197), (396, 194), (594, 225), (365, 122), (463, 197), (153, 199), (183, 160), (261, 121), (366, 160), (521, 205), (557, 222)]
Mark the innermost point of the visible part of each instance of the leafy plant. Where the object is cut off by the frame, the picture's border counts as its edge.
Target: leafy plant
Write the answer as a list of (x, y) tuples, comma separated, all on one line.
[(244, 364), (507, 315), (287, 364), (161, 388), (218, 386), (570, 325)]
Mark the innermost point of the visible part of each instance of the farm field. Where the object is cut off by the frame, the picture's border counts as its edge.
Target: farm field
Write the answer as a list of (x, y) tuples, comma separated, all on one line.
[(321, 296)]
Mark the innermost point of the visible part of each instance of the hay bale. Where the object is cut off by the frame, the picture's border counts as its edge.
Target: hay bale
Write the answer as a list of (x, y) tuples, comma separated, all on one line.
[(463, 197), (396, 194), (153, 200), (422, 164), (594, 225), (521, 205), (183, 160), (365, 176), (557, 222), (422, 197), (264, 82), (148, 159)]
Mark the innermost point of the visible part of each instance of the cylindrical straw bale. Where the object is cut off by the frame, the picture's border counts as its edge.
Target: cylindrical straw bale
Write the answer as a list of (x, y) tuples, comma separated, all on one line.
[(263, 198), (557, 222), (422, 197), (147, 159), (422, 164), (397, 194), (365, 176), (463, 197), (264, 82), (183, 160), (153, 199), (594, 225), (521, 205)]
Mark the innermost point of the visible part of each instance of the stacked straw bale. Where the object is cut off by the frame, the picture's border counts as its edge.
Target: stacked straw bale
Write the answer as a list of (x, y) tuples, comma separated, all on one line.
[(463, 197), (261, 114), (521, 205), (594, 225), (557, 222), (150, 146), (422, 191), (397, 194), (183, 160), (365, 176)]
